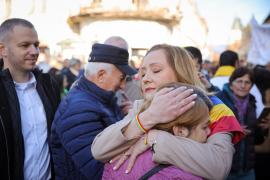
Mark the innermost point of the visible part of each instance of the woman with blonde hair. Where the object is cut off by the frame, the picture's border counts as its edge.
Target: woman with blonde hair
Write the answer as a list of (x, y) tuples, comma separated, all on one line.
[(192, 124), (211, 160)]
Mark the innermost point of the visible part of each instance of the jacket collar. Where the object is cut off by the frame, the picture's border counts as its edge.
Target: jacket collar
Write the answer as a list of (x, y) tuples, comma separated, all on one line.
[(105, 96)]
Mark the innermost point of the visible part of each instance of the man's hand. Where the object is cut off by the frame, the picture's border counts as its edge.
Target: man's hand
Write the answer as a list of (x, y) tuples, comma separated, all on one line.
[(126, 106)]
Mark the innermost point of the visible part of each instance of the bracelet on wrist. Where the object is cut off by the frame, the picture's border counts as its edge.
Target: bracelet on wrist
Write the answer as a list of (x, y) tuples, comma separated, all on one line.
[(145, 140), (139, 124)]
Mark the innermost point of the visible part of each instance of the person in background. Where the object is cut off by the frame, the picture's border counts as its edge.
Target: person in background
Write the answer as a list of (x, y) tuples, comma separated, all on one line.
[(132, 89), (207, 68), (262, 80), (88, 108), (44, 59), (166, 64), (28, 101), (228, 61), (236, 95), (197, 57), (193, 124), (72, 73), (65, 66), (262, 150), (60, 79)]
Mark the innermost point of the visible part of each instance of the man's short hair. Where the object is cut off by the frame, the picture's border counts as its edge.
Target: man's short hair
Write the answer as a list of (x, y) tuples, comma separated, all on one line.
[(74, 61), (117, 41), (92, 68), (228, 58), (9, 24), (195, 53)]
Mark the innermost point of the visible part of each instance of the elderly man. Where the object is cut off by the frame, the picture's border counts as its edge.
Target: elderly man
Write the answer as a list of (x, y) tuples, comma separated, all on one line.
[(132, 90), (89, 108)]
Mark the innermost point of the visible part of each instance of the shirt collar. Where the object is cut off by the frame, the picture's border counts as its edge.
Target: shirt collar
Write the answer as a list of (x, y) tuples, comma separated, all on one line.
[(29, 84)]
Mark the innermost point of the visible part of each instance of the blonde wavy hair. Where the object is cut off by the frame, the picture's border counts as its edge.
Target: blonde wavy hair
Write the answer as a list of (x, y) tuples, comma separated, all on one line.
[(181, 62)]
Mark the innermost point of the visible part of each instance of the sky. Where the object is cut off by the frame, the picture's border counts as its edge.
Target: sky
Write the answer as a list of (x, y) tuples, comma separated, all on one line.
[(219, 15)]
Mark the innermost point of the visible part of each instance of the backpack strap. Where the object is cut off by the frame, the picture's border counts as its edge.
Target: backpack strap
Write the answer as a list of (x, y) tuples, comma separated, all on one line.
[(153, 171)]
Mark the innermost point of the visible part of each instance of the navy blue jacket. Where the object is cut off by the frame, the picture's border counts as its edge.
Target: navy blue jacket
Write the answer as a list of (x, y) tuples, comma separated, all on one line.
[(83, 113)]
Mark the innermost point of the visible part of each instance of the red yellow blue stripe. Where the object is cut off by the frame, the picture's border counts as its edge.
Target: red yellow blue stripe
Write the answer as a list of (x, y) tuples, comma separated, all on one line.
[(223, 120)]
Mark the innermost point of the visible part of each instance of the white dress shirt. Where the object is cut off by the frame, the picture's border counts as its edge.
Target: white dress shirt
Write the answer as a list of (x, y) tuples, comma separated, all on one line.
[(34, 130)]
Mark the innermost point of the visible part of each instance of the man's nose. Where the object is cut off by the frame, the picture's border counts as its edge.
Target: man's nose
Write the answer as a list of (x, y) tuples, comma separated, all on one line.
[(34, 50)]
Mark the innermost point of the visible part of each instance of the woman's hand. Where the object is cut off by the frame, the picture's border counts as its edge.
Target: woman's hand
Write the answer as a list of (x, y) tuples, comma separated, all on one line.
[(166, 105), (134, 151), (131, 155)]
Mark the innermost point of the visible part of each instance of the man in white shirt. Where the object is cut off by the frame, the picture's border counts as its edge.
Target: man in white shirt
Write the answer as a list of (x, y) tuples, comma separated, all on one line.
[(28, 102)]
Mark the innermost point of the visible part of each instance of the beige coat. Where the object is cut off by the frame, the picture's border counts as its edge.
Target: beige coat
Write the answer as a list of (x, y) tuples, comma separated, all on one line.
[(211, 160)]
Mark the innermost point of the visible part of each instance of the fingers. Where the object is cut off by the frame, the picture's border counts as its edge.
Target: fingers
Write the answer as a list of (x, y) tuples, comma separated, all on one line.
[(131, 162), (185, 97), (139, 148), (121, 160), (164, 91), (115, 158), (186, 107), (179, 91), (247, 131)]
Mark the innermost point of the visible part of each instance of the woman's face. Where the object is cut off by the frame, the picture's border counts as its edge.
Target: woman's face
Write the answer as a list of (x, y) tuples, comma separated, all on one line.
[(241, 86), (154, 72)]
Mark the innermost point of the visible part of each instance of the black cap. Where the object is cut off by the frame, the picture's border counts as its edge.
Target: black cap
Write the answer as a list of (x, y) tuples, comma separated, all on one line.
[(113, 55)]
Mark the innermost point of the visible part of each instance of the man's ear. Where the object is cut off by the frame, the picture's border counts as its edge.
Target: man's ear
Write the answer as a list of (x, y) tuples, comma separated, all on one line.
[(100, 75), (2, 50), (180, 131)]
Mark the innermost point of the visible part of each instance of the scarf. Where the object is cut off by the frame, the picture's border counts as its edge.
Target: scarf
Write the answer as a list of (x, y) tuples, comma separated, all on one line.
[(225, 71), (241, 106)]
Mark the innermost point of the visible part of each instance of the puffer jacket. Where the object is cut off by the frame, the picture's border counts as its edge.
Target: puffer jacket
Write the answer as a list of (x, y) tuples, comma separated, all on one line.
[(82, 114)]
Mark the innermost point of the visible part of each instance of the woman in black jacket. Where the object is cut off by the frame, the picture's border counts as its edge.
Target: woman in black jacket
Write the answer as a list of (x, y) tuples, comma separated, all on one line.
[(236, 95)]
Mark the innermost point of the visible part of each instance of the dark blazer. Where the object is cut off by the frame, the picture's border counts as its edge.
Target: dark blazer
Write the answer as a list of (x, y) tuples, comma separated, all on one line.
[(11, 141)]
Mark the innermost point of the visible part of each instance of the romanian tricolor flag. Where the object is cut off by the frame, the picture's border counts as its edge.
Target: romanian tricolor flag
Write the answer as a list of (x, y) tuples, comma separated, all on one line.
[(223, 120)]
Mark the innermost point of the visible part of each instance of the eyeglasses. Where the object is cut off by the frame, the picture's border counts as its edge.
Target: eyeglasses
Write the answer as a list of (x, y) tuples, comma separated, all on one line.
[(242, 82)]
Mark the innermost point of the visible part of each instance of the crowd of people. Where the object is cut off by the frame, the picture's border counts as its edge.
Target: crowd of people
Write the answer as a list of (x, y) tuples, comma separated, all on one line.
[(173, 118)]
